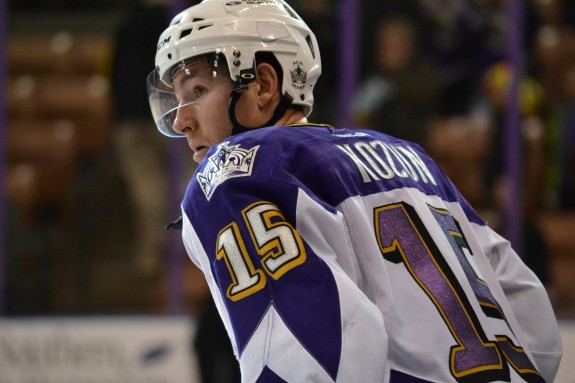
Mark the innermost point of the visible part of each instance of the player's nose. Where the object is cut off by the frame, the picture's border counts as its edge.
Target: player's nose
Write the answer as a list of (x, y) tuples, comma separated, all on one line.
[(185, 121)]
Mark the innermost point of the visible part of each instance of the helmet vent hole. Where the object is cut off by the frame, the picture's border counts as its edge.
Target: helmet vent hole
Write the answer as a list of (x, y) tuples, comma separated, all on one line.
[(310, 44), (205, 26), (185, 32), (196, 19)]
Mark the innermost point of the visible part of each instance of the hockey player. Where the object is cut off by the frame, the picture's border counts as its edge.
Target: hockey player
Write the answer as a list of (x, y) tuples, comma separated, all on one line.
[(333, 255)]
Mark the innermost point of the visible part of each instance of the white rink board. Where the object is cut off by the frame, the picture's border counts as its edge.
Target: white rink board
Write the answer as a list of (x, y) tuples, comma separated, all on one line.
[(128, 350), (96, 349)]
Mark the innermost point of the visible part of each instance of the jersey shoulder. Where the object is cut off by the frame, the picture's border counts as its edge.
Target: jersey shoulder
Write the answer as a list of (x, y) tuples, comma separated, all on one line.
[(327, 163)]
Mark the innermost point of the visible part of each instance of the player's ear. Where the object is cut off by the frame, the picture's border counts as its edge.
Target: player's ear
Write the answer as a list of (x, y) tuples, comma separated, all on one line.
[(268, 82)]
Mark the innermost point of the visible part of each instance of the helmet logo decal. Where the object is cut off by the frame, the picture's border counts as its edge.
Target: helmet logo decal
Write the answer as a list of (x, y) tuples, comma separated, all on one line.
[(163, 42), (298, 75), (226, 163), (246, 76)]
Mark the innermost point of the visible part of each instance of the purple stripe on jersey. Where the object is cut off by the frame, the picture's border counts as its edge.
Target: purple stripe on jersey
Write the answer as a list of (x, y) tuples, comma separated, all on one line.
[(268, 376), (400, 377), (312, 317)]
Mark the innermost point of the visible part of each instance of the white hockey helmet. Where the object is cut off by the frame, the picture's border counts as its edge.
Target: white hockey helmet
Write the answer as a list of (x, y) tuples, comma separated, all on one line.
[(237, 29)]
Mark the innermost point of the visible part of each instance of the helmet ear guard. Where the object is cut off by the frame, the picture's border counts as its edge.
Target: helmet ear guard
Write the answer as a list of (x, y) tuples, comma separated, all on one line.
[(236, 31)]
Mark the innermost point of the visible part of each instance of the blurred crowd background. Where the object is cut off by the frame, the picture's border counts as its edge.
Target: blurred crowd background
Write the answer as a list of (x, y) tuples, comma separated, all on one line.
[(90, 184)]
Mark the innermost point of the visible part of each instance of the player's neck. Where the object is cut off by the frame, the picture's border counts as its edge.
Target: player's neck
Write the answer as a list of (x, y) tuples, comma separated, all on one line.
[(291, 116)]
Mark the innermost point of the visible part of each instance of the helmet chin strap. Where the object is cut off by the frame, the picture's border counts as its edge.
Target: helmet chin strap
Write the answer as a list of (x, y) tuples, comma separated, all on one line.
[(238, 128)]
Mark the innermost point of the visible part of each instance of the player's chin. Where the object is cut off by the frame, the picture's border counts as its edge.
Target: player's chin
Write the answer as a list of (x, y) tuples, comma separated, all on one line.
[(200, 154)]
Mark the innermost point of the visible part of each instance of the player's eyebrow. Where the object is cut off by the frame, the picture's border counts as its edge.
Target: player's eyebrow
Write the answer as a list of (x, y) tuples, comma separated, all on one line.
[(188, 74), (183, 79)]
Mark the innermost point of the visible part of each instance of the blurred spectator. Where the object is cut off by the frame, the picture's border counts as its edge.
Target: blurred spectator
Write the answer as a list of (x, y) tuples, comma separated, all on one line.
[(560, 146), (371, 14), (491, 24), (554, 58), (139, 147), (554, 48), (398, 98), (463, 38), (451, 31), (496, 87)]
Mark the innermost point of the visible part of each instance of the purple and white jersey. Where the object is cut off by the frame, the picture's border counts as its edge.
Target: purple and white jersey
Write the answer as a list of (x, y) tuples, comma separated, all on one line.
[(348, 256)]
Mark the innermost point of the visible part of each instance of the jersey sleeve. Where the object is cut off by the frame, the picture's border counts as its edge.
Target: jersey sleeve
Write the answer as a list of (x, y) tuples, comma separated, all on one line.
[(528, 300), (291, 308)]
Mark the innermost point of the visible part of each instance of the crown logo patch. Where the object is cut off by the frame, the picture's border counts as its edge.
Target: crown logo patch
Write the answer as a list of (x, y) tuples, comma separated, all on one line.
[(298, 75), (226, 163)]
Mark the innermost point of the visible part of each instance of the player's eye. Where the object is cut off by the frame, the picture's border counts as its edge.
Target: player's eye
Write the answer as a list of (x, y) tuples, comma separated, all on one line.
[(191, 93), (198, 92)]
